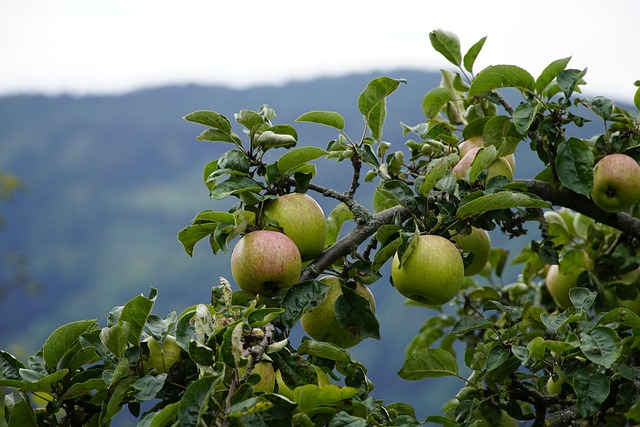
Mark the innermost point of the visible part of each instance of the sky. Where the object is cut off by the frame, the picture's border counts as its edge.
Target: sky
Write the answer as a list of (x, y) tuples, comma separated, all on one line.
[(84, 47)]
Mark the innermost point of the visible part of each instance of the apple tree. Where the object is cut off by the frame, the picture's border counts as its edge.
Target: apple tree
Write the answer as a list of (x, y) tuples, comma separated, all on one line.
[(554, 345)]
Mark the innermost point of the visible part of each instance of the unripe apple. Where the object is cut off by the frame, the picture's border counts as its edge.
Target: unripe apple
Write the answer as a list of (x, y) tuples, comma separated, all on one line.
[(616, 183), (162, 359), (432, 274), (322, 324), (478, 142), (266, 262), (302, 219), (559, 285), (478, 243), (499, 166), (554, 387)]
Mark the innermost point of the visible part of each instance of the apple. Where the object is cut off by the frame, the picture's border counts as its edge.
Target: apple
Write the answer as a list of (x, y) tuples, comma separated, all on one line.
[(554, 387), (478, 142), (499, 166), (162, 359), (266, 262), (616, 183), (559, 285), (432, 274), (301, 219), (478, 243), (322, 324)]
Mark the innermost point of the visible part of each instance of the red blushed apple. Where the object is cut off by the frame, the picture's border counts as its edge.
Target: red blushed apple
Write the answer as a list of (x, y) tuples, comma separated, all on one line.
[(616, 183), (266, 262)]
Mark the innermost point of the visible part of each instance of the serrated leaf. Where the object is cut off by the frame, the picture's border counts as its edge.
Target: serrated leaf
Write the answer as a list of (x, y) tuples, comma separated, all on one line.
[(336, 219), (592, 389), (428, 363), (327, 118), (523, 117), (622, 316), (500, 200), (354, 314), (568, 81), (550, 72), (499, 76), (234, 185), (209, 118), (574, 165), (298, 156), (301, 297), (471, 55), (582, 298), (385, 253), (447, 44), (9, 367), (135, 312), (231, 348), (401, 192), (502, 133), (215, 135), (436, 170), (192, 234), (470, 323), (372, 103), (435, 100), (325, 350), (601, 345), (162, 418), (63, 338), (195, 400)]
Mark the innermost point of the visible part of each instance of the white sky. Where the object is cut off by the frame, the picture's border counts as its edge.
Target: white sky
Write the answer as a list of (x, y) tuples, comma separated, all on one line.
[(114, 46)]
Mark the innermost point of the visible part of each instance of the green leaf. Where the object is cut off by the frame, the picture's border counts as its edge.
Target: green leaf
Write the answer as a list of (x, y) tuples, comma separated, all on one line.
[(195, 401), (209, 118), (600, 105), (514, 312), (162, 418), (136, 312), (42, 383), (523, 117), (601, 345), (437, 169), (551, 72), (298, 156), (554, 322), (192, 234), (148, 386), (471, 55), (234, 185), (231, 348), (115, 338), (502, 133), (327, 118), (325, 350), (372, 103), (435, 100), (343, 419), (428, 363), (592, 389), (311, 396), (499, 76), (9, 367), (63, 338), (497, 356), (302, 297), (622, 316), (582, 298), (470, 323), (270, 139), (261, 316), (401, 192), (447, 44), (19, 411), (500, 200), (336, 219), (215, 135), (568, 80), (249, 119), (574, 164), (354, 314), (115, 400), (483, 158), (636, 99), (385, 253)]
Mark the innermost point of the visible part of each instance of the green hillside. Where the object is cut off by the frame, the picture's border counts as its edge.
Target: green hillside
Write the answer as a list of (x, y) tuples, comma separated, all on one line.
[(111, 180)]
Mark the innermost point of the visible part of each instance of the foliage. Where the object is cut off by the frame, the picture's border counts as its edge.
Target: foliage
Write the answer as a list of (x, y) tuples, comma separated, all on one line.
[(514, 338)]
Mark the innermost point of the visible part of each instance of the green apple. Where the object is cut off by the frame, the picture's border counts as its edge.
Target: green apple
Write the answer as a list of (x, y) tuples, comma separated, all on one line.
[(499, 166), (322, 324), (266, 262), (432, 273), (559, 285), (616, 183), (478, 142), (478, 243), (554, 387), (302, 219), (162, 359)]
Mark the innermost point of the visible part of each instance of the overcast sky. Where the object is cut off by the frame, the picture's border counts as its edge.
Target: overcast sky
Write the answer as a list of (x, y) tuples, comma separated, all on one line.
[(114, 46)]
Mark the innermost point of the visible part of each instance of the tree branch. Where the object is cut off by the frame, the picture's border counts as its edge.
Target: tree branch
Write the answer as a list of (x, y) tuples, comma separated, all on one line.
[(579, 203)]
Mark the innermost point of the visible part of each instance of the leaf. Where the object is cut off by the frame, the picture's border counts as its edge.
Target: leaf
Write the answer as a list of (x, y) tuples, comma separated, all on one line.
[(550, 72), (215, 135), (192, 234), (401, 192), (325, 350), (384, 253), (21, 412), (209, 118), (500, 200), (582, 298), (311, 396), (600, 105), (471, 55), (162, 418), (502, 133), (568, 80), (447, 44), (114, 403), (261, 316), (372, 103), (601, 345), (523, 117), (354, 314), (592, 389), (270, 139), (9, 367), (298, 156), (231, 348), (636, 99), (234, 185), (622, 316), (437, 169), (195, 400), (148, 386), (483, 158), (343, 419), (136, 312), (499, 76), (302, 297), (327, 118), (574, 164), (42, 383), (428, 363), (435, 100), (470, 323), (115, 338), (63, 338), (514, 312), (496, 358), (554, 322), (336, 219)]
